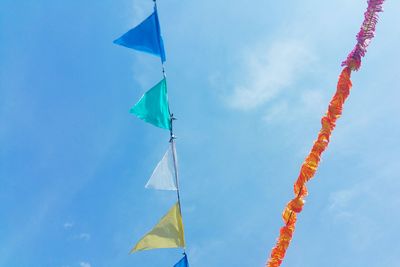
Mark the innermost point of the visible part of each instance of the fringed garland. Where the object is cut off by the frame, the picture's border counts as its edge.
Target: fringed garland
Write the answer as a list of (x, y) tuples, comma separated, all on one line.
[(311, 163), (309, 168), (365, 35)]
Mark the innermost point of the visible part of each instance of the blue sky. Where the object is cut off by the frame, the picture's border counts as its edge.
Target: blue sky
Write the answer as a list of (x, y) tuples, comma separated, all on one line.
[(248, 82)]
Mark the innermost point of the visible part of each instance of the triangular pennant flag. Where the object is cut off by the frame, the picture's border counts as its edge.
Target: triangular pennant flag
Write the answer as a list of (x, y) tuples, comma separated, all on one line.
[(163, 177), (168, 233), (153, 107), (183, 262), (145, 37)]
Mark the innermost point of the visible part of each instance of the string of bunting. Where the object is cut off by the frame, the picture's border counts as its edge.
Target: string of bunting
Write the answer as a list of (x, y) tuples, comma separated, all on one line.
[(153, 107), (311, 163)]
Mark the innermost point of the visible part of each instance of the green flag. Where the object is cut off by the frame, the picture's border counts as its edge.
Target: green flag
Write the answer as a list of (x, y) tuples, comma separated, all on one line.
[(153, 106)]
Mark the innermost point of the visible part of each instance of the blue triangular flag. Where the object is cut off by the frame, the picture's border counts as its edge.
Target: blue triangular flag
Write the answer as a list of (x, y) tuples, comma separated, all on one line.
[(145, 37), (183, 262)]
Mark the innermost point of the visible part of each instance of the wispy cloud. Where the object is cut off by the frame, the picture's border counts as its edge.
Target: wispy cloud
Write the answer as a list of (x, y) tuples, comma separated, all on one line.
[(277, 111), (85, 264), (339, 203), (341, 199), (27, 231), (308, 102), (83, 236), (362, 207), (267, 70), (68, 225)]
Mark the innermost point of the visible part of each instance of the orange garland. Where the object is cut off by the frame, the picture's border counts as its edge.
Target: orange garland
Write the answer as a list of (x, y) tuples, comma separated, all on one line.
[(309, 168), (310, 165)]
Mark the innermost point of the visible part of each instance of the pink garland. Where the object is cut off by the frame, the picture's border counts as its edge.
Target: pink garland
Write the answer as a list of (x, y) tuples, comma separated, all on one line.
[(367, 32)]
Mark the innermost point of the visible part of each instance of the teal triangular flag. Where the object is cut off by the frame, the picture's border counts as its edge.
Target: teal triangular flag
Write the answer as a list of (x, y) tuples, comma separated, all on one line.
[(153, 106), (183, 262)]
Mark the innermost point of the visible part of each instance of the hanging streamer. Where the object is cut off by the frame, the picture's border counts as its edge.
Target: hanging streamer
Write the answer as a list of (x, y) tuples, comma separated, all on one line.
[(145, 37), (163, 177), (311, 163), (153, 106), (168, 233)]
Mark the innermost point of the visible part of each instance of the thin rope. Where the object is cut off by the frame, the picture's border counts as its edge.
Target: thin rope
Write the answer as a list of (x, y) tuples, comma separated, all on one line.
[(172, 141)]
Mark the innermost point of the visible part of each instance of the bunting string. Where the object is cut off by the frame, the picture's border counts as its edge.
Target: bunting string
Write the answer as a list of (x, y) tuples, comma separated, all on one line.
[(153, 107), (328, 122)]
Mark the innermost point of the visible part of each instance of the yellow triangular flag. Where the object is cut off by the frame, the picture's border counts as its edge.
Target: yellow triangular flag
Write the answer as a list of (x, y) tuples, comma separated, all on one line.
[(168, 233)]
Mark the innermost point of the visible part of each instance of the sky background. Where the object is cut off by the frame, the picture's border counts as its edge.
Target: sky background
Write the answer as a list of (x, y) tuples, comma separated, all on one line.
[(248, 82)]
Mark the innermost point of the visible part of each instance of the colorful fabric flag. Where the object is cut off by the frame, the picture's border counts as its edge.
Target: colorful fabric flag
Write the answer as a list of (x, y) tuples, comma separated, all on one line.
[(163, 177), (183, 262), (168, 233), (153, 106), (145, 37)]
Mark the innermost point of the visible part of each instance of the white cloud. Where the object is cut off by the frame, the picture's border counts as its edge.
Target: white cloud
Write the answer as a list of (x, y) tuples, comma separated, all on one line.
[(83, 236), (349, 207), (277, 111), (313, 100), (309, 102), (85, 264), (339, 203), (267, 71), (68, 225)]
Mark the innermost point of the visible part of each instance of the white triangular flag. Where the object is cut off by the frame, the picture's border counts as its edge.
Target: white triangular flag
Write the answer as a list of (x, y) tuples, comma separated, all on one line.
[(163, 176)]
